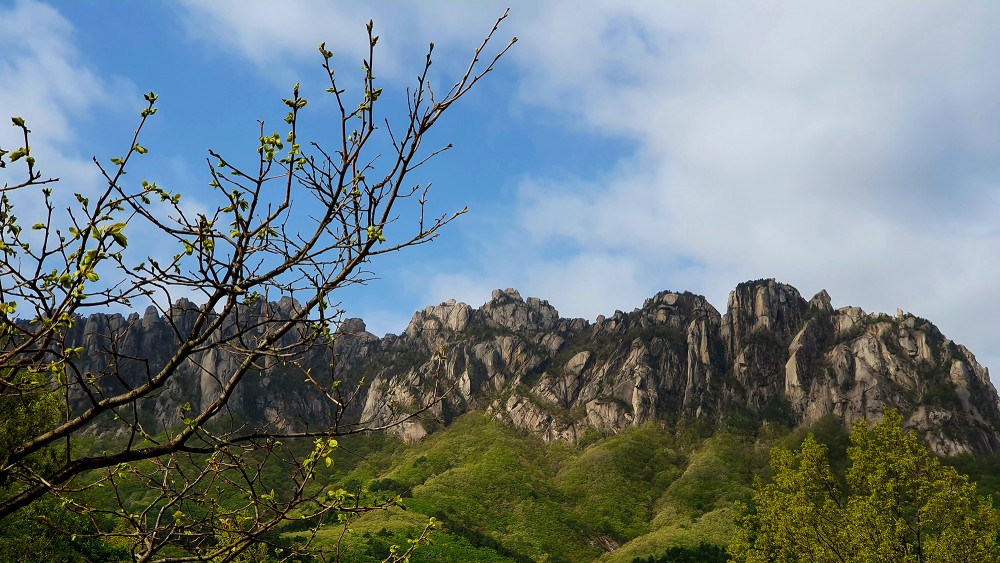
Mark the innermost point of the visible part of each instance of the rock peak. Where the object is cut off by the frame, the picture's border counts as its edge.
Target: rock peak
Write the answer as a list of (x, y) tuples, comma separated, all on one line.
[(822, 301), (504, 294), (675, 358)]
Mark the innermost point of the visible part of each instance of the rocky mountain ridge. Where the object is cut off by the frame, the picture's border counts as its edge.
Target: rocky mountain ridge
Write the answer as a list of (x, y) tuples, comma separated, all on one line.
[(773, 357)]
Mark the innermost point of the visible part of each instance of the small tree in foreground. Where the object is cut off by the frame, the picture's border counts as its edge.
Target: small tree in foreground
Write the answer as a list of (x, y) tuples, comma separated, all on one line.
[(900, 505), (300, 219)]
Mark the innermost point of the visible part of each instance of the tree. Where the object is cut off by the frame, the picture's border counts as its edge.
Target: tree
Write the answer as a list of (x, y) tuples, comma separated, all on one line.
[(299, 220), (897, 504), (703, 553)]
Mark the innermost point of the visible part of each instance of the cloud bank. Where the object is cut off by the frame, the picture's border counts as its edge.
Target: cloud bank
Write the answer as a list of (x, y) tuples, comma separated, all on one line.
[(832, 145), (844, 146), (841, 145)]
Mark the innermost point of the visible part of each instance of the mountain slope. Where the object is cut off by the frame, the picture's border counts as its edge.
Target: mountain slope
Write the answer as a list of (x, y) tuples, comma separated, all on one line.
[(773, 357), (512, 496)]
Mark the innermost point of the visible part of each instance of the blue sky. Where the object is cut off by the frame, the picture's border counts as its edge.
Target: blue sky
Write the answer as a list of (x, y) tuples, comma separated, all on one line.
[(619, 150)]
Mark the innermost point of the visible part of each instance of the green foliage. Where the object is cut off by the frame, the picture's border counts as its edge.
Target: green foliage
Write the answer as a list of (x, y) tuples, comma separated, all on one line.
[(703, 553), (716, 475), (828, 431), (504, 495), (216, 480), (984, 471), (46, 532), (507, 493), (497, 483), (370, 539), (28, 406), (673, 529), (635, 467), (899, 504), (778, 410)]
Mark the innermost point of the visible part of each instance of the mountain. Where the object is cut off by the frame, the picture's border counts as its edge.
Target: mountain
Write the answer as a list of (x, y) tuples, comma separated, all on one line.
[(772, 358)]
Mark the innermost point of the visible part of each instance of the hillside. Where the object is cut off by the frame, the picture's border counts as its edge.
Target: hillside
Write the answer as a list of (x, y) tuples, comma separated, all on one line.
[(557, 439), (505, 495)]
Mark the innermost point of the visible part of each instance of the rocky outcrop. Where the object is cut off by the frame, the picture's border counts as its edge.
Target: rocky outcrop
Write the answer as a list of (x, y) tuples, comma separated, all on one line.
[(773, 357)]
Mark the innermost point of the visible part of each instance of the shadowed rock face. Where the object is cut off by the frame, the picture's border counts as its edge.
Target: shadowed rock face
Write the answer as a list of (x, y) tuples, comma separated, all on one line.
[(773, 356)]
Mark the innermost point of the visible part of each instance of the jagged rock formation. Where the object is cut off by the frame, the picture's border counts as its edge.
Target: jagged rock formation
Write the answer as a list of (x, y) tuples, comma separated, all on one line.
[(772, 357)]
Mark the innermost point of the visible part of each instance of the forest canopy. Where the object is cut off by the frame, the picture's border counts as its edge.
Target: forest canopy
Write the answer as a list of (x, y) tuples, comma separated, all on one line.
[(896, 503)]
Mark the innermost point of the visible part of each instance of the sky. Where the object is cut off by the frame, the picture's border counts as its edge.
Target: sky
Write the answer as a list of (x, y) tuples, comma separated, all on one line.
[(618, 150)]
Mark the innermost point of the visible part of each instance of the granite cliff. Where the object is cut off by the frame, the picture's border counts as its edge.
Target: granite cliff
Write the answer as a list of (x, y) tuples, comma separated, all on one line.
[(773, 357)]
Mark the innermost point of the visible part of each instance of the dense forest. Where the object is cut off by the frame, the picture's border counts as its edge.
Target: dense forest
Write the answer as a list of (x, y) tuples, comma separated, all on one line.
[(648, 494)]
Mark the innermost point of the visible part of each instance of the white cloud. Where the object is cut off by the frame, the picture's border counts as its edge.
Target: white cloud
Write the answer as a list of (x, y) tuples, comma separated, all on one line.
[(40, 71), (841, 145), (382, 321), (579, 286), (845, 146), (276, 38), (43, 80), (464, 288)]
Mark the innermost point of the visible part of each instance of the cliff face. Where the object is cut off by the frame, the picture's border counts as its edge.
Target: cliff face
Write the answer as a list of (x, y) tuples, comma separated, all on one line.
[(772, 356)]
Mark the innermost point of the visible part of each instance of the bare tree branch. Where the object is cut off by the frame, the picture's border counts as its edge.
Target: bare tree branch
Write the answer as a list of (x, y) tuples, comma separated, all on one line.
[(264, 240)]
